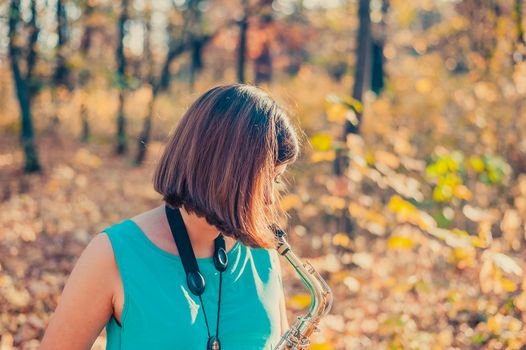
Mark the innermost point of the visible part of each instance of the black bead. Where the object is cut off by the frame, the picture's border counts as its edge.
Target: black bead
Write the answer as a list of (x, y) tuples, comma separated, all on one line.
[(221, 259), (196, 282), (213, 343)]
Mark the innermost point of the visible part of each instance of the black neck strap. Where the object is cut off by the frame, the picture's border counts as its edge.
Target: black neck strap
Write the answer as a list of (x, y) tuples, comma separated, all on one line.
[(195, 280)]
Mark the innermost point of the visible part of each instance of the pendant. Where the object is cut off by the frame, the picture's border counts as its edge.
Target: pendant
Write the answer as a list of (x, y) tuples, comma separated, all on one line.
[(213, 343)]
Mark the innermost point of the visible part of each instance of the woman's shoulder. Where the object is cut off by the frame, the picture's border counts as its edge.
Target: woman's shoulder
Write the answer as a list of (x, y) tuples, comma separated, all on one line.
[(86, 299)]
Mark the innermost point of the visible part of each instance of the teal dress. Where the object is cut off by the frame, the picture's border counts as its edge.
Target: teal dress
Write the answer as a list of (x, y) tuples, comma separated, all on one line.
[(160, 312)]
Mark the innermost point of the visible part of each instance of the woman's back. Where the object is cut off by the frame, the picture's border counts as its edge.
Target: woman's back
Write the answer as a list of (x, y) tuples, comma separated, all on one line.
[(160, 312)]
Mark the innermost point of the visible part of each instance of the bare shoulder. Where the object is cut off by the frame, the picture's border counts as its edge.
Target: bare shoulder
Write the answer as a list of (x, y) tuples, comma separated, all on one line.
[(98, 257), (86, 302)]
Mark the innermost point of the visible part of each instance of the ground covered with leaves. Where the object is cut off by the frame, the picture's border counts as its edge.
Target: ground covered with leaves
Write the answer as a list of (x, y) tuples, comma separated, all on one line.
[(435, 258)]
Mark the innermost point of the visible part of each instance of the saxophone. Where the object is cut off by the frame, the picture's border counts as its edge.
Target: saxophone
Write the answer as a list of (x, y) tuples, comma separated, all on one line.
[(297, 337)]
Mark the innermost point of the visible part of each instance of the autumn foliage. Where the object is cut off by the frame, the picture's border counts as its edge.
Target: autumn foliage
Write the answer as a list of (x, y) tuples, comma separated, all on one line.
[(433, 195)]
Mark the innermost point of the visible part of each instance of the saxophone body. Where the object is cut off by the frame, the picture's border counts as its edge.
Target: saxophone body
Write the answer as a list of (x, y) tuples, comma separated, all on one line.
[(297, 336)]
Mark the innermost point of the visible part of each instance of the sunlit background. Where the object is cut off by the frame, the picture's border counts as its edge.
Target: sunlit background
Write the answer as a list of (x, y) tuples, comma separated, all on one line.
[(409, 196)]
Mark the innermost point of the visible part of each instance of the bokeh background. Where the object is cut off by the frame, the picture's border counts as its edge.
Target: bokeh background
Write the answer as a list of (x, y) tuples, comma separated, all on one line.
[(409, 196)]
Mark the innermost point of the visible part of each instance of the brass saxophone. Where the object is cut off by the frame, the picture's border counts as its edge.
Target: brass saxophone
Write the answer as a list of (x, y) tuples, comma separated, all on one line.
[(297, 337)]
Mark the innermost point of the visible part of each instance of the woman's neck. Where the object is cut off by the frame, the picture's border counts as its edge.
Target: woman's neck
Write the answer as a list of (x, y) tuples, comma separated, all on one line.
[(201, 233)]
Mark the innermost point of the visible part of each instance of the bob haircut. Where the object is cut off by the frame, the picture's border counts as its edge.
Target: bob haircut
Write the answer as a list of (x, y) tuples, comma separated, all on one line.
[(220, 163)]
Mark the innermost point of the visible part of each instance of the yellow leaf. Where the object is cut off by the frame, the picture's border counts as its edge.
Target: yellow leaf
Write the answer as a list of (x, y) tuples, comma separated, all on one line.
[(338, 277), (400, 242), (398, 205), (508, 285), (423, 86), (462, 192), (336, 113), (462, 257), (387, 158), (323, 156), (476, 163), (299, 301), (424, 221), (290, 201), (321, 142), (321, 346), (333, 202), (341, 239), (494, 324)]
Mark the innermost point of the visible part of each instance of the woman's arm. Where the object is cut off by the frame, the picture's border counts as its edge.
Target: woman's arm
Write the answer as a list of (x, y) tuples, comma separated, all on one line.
[(283, 312), (86, 301), (282, 302)]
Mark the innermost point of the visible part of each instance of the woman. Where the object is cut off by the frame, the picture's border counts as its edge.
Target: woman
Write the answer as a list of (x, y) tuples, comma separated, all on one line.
[(218, 169)]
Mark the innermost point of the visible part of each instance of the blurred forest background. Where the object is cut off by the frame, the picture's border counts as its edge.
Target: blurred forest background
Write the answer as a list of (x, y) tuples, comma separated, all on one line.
[(410, 194)]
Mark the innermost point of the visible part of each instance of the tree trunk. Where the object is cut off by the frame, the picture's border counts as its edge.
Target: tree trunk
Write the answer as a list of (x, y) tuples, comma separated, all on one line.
[(31, 58), (144, 137), (122, 142), (85, 134), (518, 16), (122, 81), (23, 90), (519, 51), (61, 74), (362, 62), (242, 46), (85, 42), (363, 48), (196, 64), (378, 58), (263, 62)]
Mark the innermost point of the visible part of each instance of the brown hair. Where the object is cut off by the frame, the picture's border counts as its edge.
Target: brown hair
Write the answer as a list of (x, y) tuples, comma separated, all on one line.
[(220, 161)]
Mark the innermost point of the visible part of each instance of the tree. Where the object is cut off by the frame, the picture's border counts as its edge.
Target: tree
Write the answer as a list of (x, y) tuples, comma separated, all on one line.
[(378, 58), (189, 40), (85, 74), (61, 74), (242, 45), (361, 68), (24, 83), (263, 61), (363, 49), (122, 83)]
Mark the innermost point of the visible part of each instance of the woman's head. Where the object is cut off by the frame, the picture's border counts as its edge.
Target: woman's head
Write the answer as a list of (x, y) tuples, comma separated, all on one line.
[(223, 158)]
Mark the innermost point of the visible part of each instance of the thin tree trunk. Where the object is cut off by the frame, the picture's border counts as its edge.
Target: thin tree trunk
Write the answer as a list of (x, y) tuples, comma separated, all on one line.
[(519, 52), (360, 68), (242, 49), (61, 73), (196, 64), (144, 137), (378, 57), (84, 74), (363, 50), (23, 90), (263, 63), (520, 29), (122, 146), (85, 42), (122, 142)]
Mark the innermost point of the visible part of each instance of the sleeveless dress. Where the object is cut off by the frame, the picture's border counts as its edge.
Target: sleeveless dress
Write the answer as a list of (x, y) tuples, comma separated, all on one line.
[(160, 312)]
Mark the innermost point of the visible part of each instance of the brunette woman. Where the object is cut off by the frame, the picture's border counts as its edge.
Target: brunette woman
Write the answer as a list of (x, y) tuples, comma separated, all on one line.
[(218, 174)]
